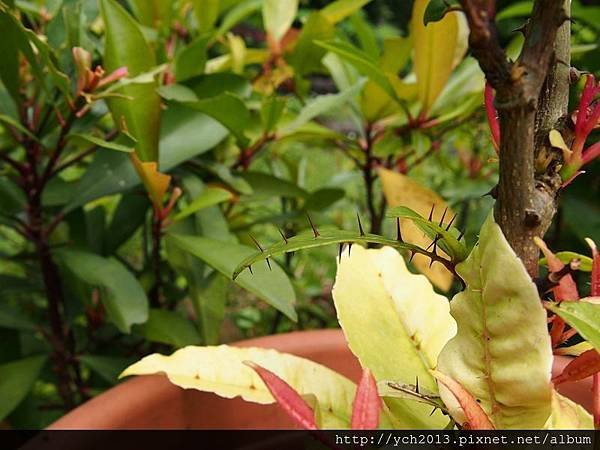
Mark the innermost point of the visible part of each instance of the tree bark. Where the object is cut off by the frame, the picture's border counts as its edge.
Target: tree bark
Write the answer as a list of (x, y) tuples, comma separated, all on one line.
[(531, 96)]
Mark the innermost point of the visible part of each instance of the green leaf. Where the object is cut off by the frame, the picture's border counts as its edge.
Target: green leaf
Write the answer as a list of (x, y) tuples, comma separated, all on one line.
[(38, 53), (91, 139), (13, 318), (321, 105), (323, 198), (210, 298), (122, 295), (206, 13), (366, 35), (325, 237), (221, 370), (437, 9), (168, 327), (364, 63), (191, 61), (271, 110), (152, 13), (566, 257), (448, 240), (237, 14), (9, 69), (584, 316), (129, 215), (264, 184), (394, 323), (137, 109), (502, 353), (16, 380), (338, 10), (278, 16), (220, 108), (186, 133), (306, 56), (273, 286), (209, 197), (108, 367)]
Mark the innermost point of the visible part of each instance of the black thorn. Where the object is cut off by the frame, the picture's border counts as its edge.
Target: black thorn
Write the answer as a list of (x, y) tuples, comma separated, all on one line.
[(431, 262), (443, 216), (432, 411), (433, 243), (269, 264), (282, 235), (431, 212), (256, 243), (462, 233), (340, 253), (412, 255), (250, 269), (417, 384), (349, 248), (312, 225), (360, 227), (451, 222), (398, 232)]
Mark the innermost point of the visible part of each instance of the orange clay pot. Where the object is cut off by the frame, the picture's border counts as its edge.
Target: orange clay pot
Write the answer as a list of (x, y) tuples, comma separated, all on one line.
[(152, 402)]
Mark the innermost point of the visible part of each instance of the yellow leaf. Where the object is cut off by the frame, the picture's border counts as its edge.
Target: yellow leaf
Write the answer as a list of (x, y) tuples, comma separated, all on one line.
[(574, 350), (221, 370), (438, 47), (567, 415), (400, 190), (156, 183), (556, 140), (395, 323)]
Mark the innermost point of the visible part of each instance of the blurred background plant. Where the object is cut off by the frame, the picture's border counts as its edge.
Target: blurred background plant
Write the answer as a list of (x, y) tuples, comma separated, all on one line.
[(146, 148)]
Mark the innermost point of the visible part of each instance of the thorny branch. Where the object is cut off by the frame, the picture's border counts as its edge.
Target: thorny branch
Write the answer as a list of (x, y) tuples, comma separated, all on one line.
[(526, 199)]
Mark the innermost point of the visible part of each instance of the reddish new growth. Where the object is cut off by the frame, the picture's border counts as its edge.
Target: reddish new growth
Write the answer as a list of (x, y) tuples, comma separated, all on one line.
[(492, 117), (586, 119), (88, 80)]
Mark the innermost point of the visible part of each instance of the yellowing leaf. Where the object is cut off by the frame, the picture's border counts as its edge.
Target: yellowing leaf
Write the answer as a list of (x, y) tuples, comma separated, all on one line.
[(394, 323), (156, 183), (438, 47), (574, 350), (556, 140), (567, 415), (401, 190), (278, 16), (221, 370), (501, 353)]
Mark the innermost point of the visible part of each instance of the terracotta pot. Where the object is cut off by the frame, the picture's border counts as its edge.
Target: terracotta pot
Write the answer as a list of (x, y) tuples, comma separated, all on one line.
[(152, 402)]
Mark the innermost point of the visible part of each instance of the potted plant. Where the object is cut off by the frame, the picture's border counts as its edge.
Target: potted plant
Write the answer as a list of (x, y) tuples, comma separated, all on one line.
[(484, 360), (128, 188)]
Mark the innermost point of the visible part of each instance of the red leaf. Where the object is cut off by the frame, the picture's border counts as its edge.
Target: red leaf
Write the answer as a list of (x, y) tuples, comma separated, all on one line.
[(596, 404), (367, 404), (595, 292), (566, 289), (585, 365), (289, 400), (492, 116), (477, 419)]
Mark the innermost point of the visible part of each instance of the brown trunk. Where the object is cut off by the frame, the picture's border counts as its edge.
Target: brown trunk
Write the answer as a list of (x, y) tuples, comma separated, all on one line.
[(532, 96)]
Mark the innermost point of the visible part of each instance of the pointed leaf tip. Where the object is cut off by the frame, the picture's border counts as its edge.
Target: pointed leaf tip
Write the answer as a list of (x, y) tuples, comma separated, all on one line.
[(477, 419), (289, 400), (585, 365), (367, 404)]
